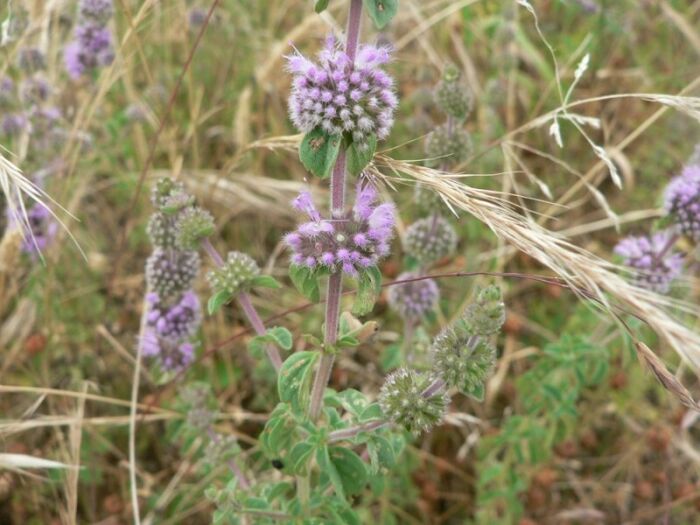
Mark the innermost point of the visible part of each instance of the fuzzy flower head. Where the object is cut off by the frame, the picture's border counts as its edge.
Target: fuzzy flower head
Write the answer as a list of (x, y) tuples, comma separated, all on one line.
[(193, 225), (169, 272), (351, 242), (462, 358), (91, 46), (415, 299), (429, 240), (43, 229), (486, 315), (236, 274), (340, 96), (682, 201), (445, 145), (654, 263), (169, 328), (13, 124), (404, 400), (452, 96)]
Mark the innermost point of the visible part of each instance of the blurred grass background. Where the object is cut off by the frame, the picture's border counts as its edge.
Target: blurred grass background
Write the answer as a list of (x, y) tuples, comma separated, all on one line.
[(69, 326)]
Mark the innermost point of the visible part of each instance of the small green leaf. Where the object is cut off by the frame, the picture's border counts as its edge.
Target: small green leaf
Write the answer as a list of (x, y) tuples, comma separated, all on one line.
[(265, 281), (328, 468), (318, 152), (299, 456), (381, 453), (353, 401), (476, 393), (306, 281), (321, 5), (370, 412), (360, 155), (281, 336), (381, 11), (293, 379), (351, 469), (217, 300), (368, 287)]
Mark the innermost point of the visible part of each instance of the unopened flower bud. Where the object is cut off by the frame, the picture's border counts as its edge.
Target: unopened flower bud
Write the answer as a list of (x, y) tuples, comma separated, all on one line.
[(193, 225), (486, 315), (413, 300), (169, 272), (430, 239), (403, 401), (445, 145), (452, 96), (235, 275)]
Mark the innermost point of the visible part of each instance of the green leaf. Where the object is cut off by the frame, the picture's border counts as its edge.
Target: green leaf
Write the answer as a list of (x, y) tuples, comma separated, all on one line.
[(299, 456), (370, 412), (306, 281), (391, 357), (217, 300), (318, 152), (476, 393), (265, 281), (358, 156), (293, 379), (328, 468), (381, 453), (321, 5), (353, 401), (279, 432), (351, 469), (368, 287), (281, 336), (381, 11)]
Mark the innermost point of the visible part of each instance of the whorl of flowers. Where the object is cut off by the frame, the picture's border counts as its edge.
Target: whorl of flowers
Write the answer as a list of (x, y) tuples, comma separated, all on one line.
[(92, 43), (486, 315), (656, 265), (340, 96), (354, 241), (462, 358), (169, 271), (235, 275), (452, 96), (193, 225), (173, 310), (414, 299), (404, 401), (13, 124), (682, 201), (447, 144), (430, 239)]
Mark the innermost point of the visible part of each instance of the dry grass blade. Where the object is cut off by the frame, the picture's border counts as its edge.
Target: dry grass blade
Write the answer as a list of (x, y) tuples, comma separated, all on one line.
[(666, 378), (586, 273), (24, 461)]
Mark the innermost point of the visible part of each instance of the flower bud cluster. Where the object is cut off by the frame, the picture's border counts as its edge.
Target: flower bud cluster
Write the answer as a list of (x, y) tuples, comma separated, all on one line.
[(236, 274), (173, 310), (682, 201), (654, 262), (430, 239), (415, 299)]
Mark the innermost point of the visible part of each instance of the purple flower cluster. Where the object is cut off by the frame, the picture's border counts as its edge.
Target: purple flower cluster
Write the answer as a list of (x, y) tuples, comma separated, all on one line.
[(92, 43), (342, 96), (415, 299), (43, 228), (682, 201), (354, 241), (656, 265), (173, 311)]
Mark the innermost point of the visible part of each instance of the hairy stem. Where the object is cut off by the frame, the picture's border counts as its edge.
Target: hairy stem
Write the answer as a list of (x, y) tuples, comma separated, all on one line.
[(335, 281), (249, 310), (349, 433)]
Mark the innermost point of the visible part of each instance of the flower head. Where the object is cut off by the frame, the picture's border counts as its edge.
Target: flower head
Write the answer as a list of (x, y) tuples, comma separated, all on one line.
[(413, 300), (92, 44), (655, 264), (444, 144), (404, 401), (169, 272), (452, 96), (235, 275), (14, 124), (430, 239), (192, 226), (341, 96), (486, 315), (43, 229), (350, 242), (682, 201)]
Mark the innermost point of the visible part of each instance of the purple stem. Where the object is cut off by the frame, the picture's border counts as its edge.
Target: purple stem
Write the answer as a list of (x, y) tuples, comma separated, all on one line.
[(353, 32), (252, 314), (433, 388), (335, 281), (247, 306), (349, 433)]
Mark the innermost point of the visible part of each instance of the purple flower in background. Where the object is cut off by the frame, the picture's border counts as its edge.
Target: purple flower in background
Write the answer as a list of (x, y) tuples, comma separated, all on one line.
[(92, 43), (35, 89), (169, 328), (349, 243), (682, 201), (415, 299), (14, 124), (653, 260), (342, 97), (43, 229)]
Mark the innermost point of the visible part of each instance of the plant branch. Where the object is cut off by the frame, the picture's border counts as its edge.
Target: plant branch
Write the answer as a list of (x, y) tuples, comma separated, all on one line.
[(349, 433)]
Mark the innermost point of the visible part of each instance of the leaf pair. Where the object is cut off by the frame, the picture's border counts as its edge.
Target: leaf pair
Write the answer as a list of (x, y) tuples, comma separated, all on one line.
[(319, 152)]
